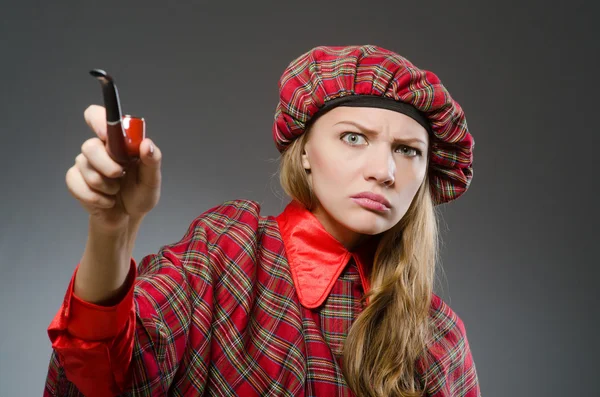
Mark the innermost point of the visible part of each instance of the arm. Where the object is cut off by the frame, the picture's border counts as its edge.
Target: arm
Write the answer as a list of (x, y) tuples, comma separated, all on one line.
[(102, 272), (138, 343), (92, 332), (92, 344)]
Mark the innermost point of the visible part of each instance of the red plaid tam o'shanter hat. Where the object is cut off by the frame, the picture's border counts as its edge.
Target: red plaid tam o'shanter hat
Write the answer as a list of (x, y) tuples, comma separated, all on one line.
[(368, 75)]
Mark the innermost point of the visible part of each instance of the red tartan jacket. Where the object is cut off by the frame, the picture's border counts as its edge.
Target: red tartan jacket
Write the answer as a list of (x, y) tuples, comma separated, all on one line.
[(242, 305)]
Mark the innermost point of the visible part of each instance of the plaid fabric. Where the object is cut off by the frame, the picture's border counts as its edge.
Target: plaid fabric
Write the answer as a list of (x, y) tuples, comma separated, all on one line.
[(326, 73), (217, 314), (341, 307)]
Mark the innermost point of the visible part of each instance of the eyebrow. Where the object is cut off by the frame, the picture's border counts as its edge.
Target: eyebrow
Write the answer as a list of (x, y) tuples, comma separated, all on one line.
[(373, 132)]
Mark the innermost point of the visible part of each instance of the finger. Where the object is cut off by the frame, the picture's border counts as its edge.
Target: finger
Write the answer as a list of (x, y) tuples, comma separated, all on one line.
[(95, 152), (150, 163), (94, 179), (95, 117), (87, 196)]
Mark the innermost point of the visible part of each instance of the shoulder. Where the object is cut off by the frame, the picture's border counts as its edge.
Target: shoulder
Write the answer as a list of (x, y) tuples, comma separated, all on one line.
[(230, 214), (448, 331), (220, 231), (444, 320), (222, 240), (449, 360), (231, 233), (239, 219)]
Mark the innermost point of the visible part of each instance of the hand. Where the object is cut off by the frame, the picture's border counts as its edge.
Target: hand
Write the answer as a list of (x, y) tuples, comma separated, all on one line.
[(111, 194)]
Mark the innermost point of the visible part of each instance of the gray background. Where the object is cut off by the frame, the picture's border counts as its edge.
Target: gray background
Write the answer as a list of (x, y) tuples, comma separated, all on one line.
[(518, 261)]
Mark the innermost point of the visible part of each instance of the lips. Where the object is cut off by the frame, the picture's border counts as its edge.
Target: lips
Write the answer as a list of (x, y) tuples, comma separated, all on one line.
[(375, 197)]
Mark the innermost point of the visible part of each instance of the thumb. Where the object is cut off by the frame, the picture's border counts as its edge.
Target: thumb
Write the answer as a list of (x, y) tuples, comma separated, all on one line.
[(150, 162)]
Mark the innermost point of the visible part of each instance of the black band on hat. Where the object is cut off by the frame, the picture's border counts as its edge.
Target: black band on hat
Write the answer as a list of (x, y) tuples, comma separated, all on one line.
[(375, 101)]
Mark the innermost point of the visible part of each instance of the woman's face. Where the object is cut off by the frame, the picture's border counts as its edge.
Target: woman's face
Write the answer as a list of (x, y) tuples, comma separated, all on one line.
[(366, 165)]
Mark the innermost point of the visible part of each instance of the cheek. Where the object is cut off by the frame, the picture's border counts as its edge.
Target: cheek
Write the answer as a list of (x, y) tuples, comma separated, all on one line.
[(409, 177), (419, 173), (412, 170), (328, 167)]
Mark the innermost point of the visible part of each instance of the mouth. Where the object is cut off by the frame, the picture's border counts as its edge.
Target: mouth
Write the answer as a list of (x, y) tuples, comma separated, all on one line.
[(372, 201)]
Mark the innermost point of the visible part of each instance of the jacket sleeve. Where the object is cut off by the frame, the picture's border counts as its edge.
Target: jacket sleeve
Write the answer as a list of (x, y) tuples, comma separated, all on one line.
[(91, 344), (137, 345)]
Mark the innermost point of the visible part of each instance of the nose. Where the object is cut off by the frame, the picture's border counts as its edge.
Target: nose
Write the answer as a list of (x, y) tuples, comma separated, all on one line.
[(380, 166)]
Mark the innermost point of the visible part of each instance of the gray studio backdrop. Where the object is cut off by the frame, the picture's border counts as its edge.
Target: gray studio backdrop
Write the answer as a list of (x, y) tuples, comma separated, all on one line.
[(518, 262)]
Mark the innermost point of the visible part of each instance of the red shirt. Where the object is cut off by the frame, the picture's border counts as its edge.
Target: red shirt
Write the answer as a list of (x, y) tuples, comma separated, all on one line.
[(242, 305)]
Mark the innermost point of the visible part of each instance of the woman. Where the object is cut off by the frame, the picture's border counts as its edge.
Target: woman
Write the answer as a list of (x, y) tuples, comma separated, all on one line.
[(333, 297)]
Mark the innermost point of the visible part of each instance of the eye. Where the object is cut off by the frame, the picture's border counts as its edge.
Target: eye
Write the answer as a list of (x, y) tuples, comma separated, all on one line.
[(408, 151), (353, 138)]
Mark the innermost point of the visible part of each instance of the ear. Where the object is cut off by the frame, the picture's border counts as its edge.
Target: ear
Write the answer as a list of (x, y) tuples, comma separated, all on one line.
[(305, 162)]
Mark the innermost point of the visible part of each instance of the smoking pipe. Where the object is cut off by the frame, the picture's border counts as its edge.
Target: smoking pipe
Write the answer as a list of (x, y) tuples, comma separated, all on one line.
[(124, 134)]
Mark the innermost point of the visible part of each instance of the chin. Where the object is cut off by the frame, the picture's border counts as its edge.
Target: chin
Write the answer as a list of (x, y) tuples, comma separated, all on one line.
[(366, 222)]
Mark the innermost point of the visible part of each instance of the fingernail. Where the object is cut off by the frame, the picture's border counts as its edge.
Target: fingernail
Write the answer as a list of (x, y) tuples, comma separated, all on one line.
[(151, 150)]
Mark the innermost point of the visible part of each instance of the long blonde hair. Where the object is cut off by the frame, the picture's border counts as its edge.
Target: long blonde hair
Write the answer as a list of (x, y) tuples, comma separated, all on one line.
[(390, 336)]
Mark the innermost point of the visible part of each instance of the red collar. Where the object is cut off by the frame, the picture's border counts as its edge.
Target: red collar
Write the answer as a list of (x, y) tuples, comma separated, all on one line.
[(316, 258)]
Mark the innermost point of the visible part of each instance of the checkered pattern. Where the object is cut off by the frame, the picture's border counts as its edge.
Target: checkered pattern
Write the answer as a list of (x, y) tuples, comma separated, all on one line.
[(326, 73), (217, 314)]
